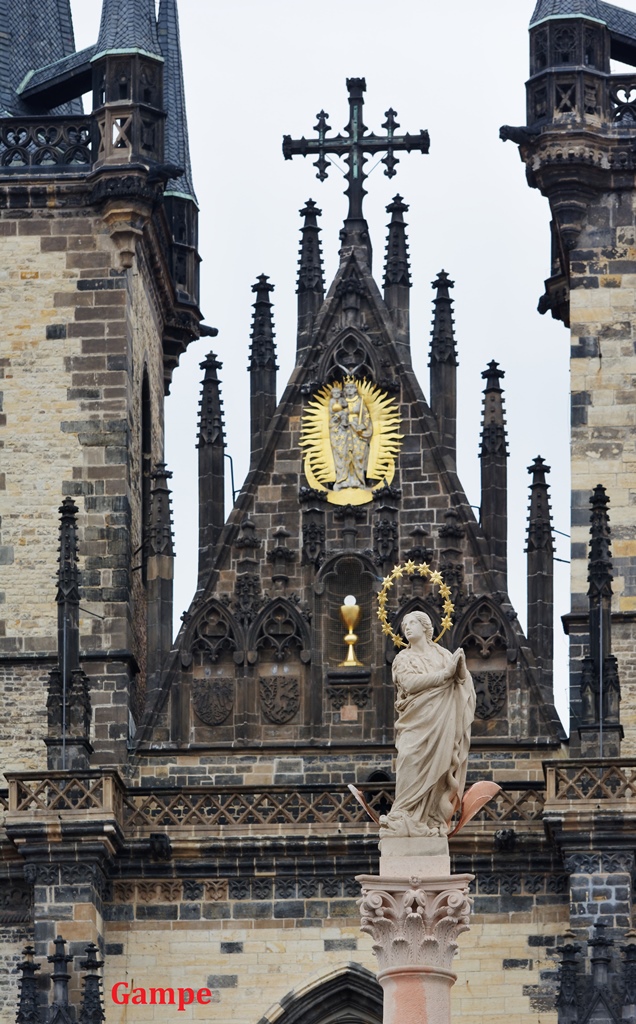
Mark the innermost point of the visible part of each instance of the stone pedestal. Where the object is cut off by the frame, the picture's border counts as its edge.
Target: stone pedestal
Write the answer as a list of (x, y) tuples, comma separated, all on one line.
[(414, 912)]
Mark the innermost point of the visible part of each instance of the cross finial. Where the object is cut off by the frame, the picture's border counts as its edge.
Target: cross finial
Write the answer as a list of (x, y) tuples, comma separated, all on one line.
[(354, 147)]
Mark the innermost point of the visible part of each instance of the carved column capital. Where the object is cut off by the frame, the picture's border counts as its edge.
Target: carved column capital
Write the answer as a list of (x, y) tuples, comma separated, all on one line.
[(415, 923)]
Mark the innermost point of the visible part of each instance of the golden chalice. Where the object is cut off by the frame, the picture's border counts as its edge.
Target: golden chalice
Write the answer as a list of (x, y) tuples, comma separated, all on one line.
[(350, 614)]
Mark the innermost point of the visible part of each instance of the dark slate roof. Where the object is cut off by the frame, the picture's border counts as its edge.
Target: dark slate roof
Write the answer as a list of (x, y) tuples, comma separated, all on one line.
[(128, 25), (33, 35), (38, 80), (177, 146), (618, 20), (561, 8)]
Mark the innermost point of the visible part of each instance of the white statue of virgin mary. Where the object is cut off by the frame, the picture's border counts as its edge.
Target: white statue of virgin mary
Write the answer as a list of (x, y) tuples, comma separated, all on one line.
[(435, 709)]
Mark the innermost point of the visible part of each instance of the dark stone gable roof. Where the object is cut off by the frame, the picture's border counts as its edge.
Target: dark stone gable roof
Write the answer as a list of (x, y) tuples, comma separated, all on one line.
[(34, 34)]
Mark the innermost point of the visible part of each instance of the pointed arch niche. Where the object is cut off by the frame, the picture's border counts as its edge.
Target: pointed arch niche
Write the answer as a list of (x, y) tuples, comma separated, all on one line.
[(212, 652), (353, 996), (348, 573)]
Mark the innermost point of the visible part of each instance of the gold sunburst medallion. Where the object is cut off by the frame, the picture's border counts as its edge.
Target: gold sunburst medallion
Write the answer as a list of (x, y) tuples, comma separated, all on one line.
[(411, 569), (350, 434)]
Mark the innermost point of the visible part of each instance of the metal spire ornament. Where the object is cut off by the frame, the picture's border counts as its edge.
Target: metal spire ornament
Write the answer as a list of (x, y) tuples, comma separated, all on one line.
[(355, 145)]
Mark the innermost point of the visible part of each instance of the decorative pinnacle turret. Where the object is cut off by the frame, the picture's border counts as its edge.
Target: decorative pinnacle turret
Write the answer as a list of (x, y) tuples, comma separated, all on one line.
[(310, 275), (68, 576), (540, 517), (493, 435), (396, 270), (92, 1010), (28, 1011), (211, 427), (60, 960), (443, 348), (492, 375), (263, 347), (160, 519), (600, 562)]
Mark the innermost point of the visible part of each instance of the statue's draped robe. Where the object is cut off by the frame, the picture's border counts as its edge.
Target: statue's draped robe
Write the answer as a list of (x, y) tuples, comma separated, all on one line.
[(436, 707), (350, 436)]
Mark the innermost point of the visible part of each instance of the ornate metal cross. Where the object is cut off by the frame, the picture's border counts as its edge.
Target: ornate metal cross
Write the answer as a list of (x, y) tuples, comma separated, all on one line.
[(354, 148)]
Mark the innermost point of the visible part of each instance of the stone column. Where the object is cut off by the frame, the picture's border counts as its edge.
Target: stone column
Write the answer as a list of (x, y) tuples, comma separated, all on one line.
[(414, 911)]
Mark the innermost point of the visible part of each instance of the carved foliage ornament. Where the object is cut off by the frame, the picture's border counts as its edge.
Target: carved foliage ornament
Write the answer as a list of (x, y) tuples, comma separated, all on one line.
[(416, 927), (350, 436), (280, 698), (213, 699)]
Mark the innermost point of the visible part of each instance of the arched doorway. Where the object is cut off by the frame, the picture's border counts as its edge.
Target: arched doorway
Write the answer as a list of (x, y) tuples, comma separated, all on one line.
[(353, 996)]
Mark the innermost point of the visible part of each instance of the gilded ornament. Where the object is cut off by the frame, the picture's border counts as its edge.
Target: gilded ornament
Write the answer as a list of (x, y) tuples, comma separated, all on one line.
[(350, 433), (424, 570)]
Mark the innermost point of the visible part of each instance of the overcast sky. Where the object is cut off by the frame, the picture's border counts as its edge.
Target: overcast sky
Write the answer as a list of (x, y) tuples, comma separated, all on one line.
[(255, 71)]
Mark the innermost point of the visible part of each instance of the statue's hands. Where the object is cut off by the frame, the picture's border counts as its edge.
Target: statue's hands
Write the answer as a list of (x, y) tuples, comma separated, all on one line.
[(459, 664)]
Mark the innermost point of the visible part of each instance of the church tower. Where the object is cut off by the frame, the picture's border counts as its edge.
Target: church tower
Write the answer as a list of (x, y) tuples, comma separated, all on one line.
[(99, 226), (578, 150)]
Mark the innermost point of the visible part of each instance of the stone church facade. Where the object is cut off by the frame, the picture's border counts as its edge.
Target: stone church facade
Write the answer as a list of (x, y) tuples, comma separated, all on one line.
[(175, 813)]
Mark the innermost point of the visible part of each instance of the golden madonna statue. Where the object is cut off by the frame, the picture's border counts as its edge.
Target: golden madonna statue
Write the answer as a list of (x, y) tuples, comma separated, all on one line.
[(351, 440)]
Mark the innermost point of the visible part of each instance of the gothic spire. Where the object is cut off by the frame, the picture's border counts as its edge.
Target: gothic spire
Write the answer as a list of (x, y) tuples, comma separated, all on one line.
[(600, 562), (600, 693), (68, 573), (396, 269), (67, 597), (540, 583), (92, 1010), (128, 26), (160, 524), (68, 702), (211, 445), (494, 474), (310, 276), (263, 347), (60, 960), (443, 364), (159, 575), (443, 349), (540, 518), (262, 365), (177, 147), (33, 35), (28, 1010)]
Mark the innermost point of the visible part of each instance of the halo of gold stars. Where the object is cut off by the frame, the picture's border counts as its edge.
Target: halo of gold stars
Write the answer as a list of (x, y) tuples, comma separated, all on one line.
[(414, 569)]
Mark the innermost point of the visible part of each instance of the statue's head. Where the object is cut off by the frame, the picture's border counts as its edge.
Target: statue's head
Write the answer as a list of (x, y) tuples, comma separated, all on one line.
[(417, 624), (336, 391), (350, 389)]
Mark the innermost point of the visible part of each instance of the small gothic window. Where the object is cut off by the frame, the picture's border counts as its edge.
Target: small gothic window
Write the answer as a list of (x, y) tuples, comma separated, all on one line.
[(565, 46), (590, 48), (540, 50), (540, 104), (122, 87)]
